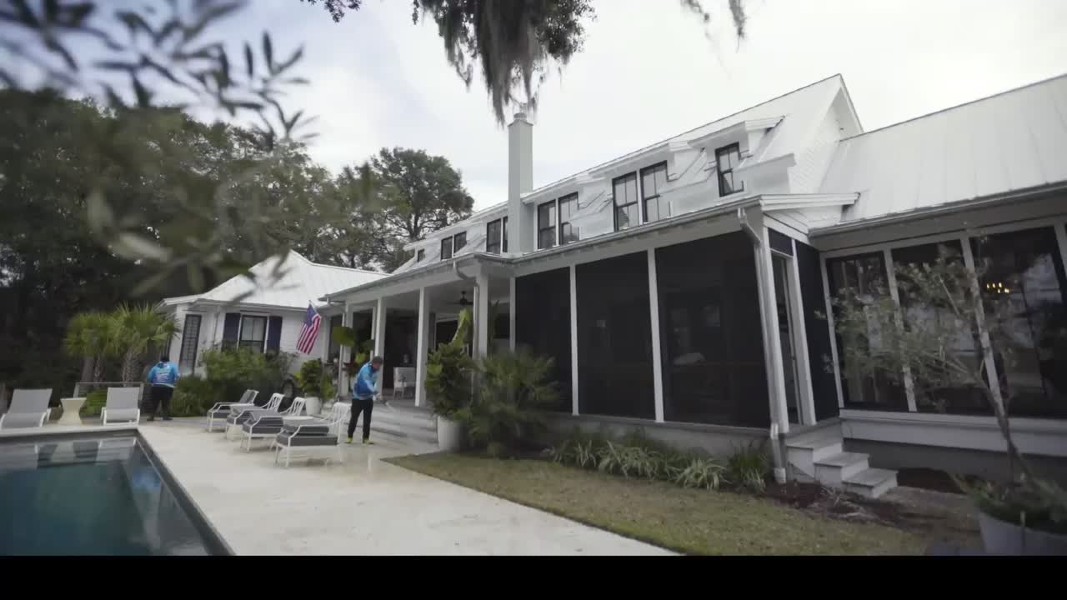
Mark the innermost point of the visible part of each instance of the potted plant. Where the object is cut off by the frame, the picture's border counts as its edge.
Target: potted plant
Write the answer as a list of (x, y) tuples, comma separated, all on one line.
[(358, 351), (942, 310), (448, 383), (310, 381)]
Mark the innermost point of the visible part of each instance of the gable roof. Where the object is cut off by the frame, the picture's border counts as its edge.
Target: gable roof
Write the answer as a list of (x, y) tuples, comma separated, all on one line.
[(298, 282), (1013, 141)]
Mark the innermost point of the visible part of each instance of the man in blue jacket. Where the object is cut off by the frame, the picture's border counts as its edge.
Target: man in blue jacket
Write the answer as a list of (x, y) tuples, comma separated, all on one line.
[(364, 390), (163, 377)]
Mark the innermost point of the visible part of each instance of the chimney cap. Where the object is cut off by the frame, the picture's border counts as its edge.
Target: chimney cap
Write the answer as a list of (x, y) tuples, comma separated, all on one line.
[(521, 112)]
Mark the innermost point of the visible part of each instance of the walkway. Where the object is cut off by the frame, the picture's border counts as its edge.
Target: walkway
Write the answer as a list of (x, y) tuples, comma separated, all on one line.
[(363, 507)]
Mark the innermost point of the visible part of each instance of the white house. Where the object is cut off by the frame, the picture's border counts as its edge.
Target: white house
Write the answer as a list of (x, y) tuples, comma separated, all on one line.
[(677, 286), (265, 315)]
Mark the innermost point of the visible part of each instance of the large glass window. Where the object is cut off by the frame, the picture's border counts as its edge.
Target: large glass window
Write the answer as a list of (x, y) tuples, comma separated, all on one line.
[(446, 248), (956, 399), (493, 237), (711, 336), (1032, 360), (653, 180), (866, 275), (726, 160), (253, 333), (615, 338), (627, 213), (543, 323), (546, 225), (459, 241)]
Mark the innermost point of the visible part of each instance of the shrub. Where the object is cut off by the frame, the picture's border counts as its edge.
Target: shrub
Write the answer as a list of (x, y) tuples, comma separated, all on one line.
[(748, 468), (514, 390), (94, 403), (310, 378), (699, 472), (231, 372), (193, 396)]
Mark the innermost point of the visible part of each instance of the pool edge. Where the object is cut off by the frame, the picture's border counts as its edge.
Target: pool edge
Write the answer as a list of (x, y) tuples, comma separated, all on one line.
[(216, 544)]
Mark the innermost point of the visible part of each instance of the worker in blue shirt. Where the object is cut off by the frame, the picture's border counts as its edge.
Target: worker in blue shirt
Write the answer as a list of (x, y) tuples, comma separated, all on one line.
[(163, 377), (364, 390)]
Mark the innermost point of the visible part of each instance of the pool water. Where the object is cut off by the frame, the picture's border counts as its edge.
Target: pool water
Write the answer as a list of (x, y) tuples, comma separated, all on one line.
[(90, 496)]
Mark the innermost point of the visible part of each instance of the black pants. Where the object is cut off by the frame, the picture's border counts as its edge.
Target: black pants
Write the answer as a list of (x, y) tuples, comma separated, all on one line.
[(361, 406), (160, 394)]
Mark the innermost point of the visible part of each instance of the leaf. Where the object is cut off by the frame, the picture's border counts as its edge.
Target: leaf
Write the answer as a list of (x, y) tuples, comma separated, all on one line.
[(292, 60), (249, 61), (268, 52), (134, 22), (99, 214), (134, 246)]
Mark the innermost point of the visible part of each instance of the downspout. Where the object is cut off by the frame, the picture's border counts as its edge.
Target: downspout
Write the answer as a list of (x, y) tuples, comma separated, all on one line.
[(776, 436)]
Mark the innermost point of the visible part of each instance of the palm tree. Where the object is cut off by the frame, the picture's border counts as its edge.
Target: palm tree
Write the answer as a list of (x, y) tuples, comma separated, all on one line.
[(87, 338), (136, 331)]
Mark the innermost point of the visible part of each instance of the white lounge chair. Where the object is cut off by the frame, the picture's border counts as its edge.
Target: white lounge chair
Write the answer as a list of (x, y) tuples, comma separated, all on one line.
[(122, 405), (239, 413), (309, 433), (263, 425), (29, 408), (221, 410)]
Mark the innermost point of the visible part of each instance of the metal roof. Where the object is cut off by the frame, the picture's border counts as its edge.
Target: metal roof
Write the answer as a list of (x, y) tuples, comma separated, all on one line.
[(297, 283), (1012, 141)]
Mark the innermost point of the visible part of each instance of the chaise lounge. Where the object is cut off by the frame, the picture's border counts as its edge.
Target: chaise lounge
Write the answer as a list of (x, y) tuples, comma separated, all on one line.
[(221, 410), (312, 433), (122, 405), (240, 413), (263, 425), (29, 408)]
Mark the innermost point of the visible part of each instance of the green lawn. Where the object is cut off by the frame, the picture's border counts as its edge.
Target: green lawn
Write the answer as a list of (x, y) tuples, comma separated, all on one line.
[(687, 521)]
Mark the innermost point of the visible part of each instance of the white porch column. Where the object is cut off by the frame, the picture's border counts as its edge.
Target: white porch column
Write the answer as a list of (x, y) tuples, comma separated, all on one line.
[(344, 355), (481, 316), (772, 346), (574, 340), (657, 357), (511, 315), (422, 348), (379, 334)]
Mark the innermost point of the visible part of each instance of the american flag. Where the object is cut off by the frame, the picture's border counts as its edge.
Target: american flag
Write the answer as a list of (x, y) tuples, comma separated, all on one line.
[(309, 332)]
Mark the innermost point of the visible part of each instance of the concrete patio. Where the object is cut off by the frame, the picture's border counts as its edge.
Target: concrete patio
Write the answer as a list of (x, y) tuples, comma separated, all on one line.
[(362, 507)]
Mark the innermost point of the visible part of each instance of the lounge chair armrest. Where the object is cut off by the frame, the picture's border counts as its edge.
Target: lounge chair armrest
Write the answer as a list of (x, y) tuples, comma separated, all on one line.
[(220, 406)]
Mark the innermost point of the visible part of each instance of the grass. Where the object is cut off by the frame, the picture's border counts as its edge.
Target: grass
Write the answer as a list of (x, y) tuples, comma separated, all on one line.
[(688, 521)]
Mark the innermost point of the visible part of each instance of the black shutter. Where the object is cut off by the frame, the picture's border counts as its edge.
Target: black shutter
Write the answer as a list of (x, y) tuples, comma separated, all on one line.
[(230, 328), (274, 333)]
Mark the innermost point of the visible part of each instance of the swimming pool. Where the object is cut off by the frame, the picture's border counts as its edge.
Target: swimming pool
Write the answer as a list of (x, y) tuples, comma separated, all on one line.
[(100, 495)]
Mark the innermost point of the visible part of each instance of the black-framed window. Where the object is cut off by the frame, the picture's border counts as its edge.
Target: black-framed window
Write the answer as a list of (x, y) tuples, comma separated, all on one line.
[(446, 248), (865, 274), (494, 236), (253, 335), (627, 212), (546, 225), (459, 241), (504, 234), (190, 344), (568, 206), (653, 180), (420, 255), (726, 160), (1031, 355)]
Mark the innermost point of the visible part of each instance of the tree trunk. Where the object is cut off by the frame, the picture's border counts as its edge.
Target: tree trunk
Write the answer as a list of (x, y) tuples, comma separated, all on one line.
[(87, 368), (98, 369)]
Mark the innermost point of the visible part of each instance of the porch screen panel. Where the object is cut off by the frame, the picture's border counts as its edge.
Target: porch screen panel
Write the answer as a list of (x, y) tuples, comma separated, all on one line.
[(1026, 267), (615, 338), (817, 332), (865, 274), (543, 323), (928, 398), (711, 338)]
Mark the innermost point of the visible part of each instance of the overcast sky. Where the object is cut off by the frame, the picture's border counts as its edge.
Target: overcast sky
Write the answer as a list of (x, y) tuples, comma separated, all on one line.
[(648, 72)]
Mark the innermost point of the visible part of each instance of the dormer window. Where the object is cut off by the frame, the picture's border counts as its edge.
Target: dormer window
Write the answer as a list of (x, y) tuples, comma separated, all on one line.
[(554, 222), (627, 213), (496, 236), (420, 255), (726, 160), (653, 180), (452, 244)]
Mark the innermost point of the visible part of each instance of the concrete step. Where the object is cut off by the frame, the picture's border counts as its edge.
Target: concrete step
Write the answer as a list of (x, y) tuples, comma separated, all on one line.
[(805, 453), (833, 470), (871, 483)]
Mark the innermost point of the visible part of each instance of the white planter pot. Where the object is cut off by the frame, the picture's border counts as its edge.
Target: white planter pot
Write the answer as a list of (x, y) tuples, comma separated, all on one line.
[(1008, 539), (313, 405), (449, 435)]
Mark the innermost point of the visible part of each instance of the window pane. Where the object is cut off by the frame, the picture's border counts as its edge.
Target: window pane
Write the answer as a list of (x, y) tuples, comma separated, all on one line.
[(710, 332), (956, 399), (652, 210), (569, 233), (459, 241), (653, 179), (446, 248), (625, 189), (504, 234), (1031, 352), (884, 391), (492, 237), (615, 338), (622, 219), (568, 205)]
